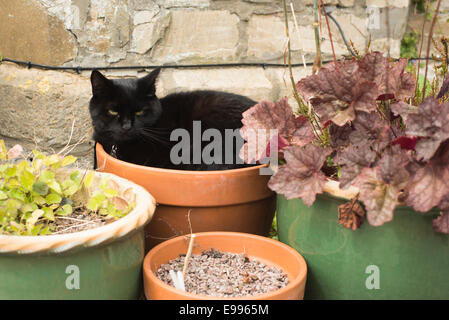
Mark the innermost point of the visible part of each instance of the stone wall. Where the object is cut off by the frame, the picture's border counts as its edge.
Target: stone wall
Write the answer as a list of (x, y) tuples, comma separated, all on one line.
[(40, 106)]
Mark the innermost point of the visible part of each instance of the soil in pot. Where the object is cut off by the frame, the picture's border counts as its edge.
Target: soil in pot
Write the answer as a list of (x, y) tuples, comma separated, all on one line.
[(79, 220), (270, 252), (225, 274)]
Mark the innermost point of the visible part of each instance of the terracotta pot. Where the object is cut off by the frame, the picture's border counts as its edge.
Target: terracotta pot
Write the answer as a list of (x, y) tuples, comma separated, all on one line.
[(197, 201), (266, 250)]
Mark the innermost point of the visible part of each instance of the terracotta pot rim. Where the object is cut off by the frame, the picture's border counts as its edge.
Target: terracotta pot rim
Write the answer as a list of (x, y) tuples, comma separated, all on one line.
[(295, 282), (99, 148)]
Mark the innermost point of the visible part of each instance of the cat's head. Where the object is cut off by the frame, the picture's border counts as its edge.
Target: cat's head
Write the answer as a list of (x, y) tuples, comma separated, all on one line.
[(121, 108)]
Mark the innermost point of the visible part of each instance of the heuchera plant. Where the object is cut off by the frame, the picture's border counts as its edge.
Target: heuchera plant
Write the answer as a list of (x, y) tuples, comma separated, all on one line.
[(361, 129)]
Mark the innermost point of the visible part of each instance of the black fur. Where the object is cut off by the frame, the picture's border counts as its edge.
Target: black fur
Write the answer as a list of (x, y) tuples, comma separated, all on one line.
[(145, 138)]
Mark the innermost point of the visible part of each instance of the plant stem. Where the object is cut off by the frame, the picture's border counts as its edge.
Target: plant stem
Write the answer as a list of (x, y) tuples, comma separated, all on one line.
[(317, 62), (330, 33), (303, 109), (421, 44), (289, 54), (437, 10)]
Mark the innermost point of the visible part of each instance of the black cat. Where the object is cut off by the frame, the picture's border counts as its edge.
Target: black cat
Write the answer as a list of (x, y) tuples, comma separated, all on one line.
[(135, 126)]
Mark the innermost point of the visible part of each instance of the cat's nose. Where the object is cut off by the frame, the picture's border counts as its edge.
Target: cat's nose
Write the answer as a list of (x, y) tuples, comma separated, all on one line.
[(126, 125)]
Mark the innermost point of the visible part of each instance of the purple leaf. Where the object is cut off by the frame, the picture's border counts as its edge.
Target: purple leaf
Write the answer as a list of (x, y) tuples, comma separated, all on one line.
[(432, 123), (390, 77), (441, 223), (393, 166), (301, 177), (267, 119), (380, 199), (429, 183), (337, 93), (444, 88), (352, 160)]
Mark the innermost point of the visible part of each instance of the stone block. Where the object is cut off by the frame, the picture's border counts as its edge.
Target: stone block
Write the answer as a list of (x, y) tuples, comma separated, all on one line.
[(30, 33), (249, 81), (199, 36), (40, 106)]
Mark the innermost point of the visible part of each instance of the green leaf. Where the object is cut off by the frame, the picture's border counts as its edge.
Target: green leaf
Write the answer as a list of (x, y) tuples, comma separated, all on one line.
[(3, 195), (68, 160), (31, 221), (65, 210), (47, 176), (53, 198), (38, 155), (55, 186), (40, 188), (35, 230), (28, 207), (89, 179), (13, 204), (17, 194), (48, 213), (3, 150), (93, 204), (27, 179), (11, 171), (70, 187), (76, 176), (39, 200), (110, 193)]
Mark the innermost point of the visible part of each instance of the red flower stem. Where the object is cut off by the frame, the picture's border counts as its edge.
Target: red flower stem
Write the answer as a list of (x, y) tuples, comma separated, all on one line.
[(429, 40), (421, 44), (330, 34)]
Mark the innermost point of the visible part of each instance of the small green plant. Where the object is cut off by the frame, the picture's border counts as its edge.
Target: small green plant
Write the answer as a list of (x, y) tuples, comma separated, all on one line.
[(408, 45), (34, 194)]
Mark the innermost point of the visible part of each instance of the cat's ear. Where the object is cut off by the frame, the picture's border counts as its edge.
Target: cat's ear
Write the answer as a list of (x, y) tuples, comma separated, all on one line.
[(147, 84), (100, 84)]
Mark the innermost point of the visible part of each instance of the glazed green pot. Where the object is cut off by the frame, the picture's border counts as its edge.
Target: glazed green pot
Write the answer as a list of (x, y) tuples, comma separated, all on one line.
[(109, 271), (100, 263), (403, 259)]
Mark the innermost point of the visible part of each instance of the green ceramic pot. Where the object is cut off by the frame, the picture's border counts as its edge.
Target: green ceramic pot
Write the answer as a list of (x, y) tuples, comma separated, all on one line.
[(403, 259), (101, 263)]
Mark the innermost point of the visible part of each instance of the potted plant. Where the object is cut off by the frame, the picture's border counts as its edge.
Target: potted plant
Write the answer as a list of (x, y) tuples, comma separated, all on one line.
[(249, 247), (365, 142), (226, 200), (68, 233)]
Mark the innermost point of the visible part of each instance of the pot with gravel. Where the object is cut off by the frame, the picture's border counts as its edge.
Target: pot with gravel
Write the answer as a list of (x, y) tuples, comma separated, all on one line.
[(223, 265), (68, 233)]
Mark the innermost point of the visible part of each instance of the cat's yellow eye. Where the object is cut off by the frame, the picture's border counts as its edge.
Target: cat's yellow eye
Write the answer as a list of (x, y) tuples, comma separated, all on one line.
[(140, 113), (112, 112)]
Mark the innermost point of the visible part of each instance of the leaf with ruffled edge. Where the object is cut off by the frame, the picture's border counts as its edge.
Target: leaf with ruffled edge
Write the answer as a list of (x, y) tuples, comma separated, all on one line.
[(301, 177), (380, 187), (337, 93), (352, 160), (390, 77), (266, 120), (431, 123), (351, 214), (441, 223), (429, 183), (379, 199)]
